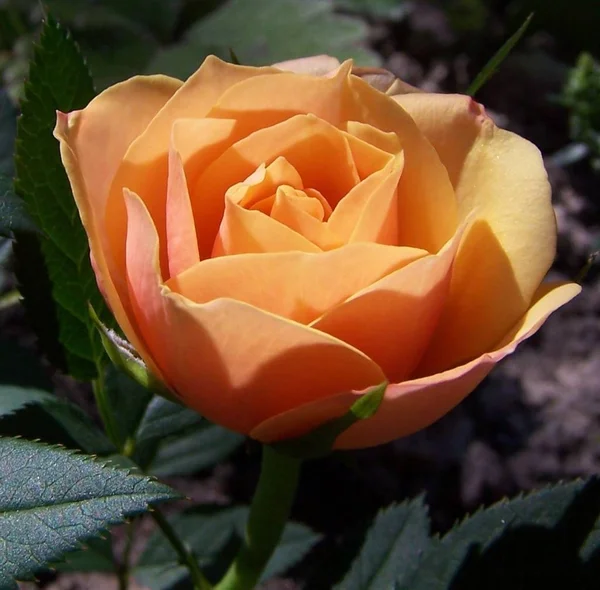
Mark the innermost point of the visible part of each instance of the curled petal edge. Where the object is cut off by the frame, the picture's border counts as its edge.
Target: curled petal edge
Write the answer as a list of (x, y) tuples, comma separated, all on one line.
[(412, 405)]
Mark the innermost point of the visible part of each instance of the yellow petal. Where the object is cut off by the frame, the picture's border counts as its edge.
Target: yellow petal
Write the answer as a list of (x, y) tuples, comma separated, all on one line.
[(235, 377), (412, 405), (295, 285), (501, 178)]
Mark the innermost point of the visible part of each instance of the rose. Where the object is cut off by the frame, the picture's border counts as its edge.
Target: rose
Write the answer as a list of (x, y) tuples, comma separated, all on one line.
[(275, 241)]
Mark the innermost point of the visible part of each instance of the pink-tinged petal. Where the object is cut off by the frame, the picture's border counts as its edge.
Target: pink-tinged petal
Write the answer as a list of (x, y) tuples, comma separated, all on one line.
[(144, 166), (427, 207), (197, 141), (302, 140), (182, 242), (369, 212), (315, 65), (245, 231), (108, 126), (392, 320), (295, 285), (231, 362), (412, 405), (238, 365), (501, 177)]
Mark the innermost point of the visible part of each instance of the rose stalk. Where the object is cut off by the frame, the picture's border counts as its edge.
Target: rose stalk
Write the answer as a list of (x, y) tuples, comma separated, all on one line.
[(275, 241)]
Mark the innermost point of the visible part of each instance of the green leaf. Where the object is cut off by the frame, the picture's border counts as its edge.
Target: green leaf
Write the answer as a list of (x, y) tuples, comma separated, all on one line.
[(95, 556), (204, 446), (36, 414), (13, 215), (547, 539), (58, 80), (209, 532), (164, 418), (297, 540), (263, 32), (13, 398), (395, 542), (128, 402), (490, 68), (206, 533), (319, 442), (389, 9), (52, 499)]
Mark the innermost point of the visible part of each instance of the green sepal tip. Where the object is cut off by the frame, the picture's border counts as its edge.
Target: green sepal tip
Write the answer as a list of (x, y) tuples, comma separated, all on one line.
[(319, 442)]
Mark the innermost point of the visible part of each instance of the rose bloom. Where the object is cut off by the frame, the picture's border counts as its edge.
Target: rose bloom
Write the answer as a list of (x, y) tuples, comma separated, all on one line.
[(274, 241)]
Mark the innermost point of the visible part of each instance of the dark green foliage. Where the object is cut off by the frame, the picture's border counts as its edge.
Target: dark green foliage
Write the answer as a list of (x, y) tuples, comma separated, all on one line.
[(262, 32), (547, 539), (581, 96), (195, 449), (44, 488), (56, 298), (394, 544), (209, 532)]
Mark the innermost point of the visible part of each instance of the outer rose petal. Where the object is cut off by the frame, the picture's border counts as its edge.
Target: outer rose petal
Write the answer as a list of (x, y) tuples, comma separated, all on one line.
[(392, 320), (413, 405), (107, 126), (500, 177), (206, 359)]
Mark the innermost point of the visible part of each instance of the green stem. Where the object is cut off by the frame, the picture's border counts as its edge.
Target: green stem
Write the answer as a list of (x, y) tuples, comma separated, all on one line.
[(124, 569), (103, 405), (186, 557), (268, 515)]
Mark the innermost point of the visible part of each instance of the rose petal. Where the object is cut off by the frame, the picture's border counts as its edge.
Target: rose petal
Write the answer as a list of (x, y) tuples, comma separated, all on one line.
[(107, 126), (244, 231), (369, 212), (304, 212), (393, 319), (235, 377), (412, 405), (264, 101), (501, 177), (318, 151), (427, 207), (182, 242), (144, 166), (295, 285)]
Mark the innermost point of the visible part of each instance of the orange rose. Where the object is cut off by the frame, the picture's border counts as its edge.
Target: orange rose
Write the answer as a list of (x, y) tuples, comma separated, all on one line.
[(275, 242)]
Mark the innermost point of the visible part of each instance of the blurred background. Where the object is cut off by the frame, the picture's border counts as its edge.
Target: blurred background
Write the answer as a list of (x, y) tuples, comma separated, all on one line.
[(536, 419)]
